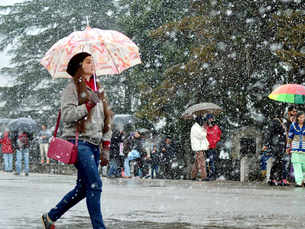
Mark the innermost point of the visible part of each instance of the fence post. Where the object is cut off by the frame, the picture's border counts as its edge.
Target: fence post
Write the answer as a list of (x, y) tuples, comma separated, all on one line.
[(244, 169)]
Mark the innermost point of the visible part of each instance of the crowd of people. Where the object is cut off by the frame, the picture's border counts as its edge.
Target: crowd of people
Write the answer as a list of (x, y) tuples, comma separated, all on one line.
[(282, 159), (18, 144), (284, 148), (127, 152), (15, 146), (128, 155)]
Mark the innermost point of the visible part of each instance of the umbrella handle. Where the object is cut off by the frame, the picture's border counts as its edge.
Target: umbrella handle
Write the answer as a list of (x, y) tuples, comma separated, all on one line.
[(87, 19), (94, 78)]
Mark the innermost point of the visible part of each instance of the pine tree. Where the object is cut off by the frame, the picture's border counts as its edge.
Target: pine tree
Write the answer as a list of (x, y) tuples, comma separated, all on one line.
[(290, 36), (138, 19), (231, 62), (30, 29), (221, 52)]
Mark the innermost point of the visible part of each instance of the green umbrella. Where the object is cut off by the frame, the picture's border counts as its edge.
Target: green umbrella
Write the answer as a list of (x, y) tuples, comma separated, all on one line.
[(289, 93)]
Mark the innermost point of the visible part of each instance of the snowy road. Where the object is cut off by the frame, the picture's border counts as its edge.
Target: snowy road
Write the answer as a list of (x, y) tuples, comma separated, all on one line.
[(157, 204)]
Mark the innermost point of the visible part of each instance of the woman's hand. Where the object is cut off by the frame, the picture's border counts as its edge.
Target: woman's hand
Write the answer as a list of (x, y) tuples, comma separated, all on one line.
[(104, 153), (93, 100), (101, 95)]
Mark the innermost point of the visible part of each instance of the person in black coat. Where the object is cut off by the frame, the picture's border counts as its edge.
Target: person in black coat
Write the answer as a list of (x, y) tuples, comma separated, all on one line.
[(275, 140), (167, 154), (116, 140)]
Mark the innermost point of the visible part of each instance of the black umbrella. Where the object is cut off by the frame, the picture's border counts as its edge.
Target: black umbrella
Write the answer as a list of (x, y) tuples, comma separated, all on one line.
[(23, 125)]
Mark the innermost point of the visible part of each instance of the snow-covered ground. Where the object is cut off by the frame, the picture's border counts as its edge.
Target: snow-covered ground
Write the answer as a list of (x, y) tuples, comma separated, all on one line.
[(148, 204)]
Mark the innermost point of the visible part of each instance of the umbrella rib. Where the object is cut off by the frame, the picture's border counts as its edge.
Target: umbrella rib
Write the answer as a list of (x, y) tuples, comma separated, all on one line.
[(109, 53), (112, 59)]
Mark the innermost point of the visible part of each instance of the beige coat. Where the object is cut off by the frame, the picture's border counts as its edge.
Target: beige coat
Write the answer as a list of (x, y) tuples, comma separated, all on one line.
[(72, 112)]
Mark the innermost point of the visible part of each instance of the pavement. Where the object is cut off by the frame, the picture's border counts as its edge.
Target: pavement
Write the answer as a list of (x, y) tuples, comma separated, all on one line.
[(154, 204)]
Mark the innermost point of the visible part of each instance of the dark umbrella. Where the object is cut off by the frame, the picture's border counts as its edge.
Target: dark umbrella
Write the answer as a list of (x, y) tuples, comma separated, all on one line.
[(121, 121), (201, 109), (23, 125), (3, 124)]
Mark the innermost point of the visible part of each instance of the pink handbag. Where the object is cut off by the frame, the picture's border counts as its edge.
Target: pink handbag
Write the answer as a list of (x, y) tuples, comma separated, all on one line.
[(62, 150)]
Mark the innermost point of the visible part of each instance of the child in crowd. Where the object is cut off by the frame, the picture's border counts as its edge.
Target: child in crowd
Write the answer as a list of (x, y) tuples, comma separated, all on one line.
[(155, 162)]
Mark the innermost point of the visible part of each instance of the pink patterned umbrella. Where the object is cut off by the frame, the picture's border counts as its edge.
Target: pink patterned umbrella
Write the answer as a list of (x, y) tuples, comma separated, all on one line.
[(112, 52)]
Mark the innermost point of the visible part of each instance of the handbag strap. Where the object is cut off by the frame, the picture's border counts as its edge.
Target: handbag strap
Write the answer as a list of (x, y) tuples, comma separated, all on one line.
[(57, 126)]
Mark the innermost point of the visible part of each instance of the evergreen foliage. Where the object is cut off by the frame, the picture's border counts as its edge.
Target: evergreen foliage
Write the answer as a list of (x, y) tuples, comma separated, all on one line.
[(29, 29), (229, 52)]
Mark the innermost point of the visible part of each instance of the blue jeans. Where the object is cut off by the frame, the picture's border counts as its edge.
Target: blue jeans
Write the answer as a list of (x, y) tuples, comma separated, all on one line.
[(264, 158), (154, 169), (22, 153), (88, 185), (286, 166), (134, 154), (211, 169), (113, 168), (8, 162)]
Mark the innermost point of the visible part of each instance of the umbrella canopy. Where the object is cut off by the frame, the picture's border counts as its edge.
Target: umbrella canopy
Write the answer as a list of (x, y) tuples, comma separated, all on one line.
[(120, 121), (289, 93), (143, 130), (3, 124), (23, 125), (112, 52), (200, 109)]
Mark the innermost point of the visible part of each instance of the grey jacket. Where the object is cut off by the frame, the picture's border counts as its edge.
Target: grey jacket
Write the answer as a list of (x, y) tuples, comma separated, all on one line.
[(46, 133), (72, 112)]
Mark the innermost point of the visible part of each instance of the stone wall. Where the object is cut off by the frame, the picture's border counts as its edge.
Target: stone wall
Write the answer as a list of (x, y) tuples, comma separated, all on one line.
[(246, 132), (249, 164)]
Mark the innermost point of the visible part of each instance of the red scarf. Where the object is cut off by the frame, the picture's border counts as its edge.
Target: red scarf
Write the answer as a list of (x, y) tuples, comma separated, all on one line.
[(91, 83)]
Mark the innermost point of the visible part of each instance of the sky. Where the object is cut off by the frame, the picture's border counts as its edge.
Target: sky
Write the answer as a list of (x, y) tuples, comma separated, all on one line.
[(4, 59)]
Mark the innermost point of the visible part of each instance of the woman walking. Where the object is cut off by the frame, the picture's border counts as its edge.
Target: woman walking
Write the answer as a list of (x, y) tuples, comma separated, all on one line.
[(83, 109), (296, 146)]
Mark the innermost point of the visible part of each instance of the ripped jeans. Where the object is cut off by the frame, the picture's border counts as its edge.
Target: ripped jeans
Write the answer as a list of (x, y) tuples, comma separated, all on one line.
[(88, 185)]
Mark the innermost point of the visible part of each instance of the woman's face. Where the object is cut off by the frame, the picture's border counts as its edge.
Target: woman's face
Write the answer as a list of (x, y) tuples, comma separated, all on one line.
[(301, 119), (88, 65), (137, 135)]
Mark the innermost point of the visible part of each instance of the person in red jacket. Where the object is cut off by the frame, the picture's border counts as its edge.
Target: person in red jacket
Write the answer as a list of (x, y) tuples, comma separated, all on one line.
[(213, 136), (7, 150)]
